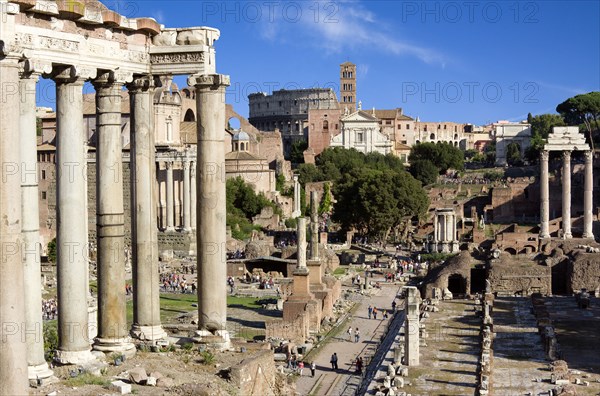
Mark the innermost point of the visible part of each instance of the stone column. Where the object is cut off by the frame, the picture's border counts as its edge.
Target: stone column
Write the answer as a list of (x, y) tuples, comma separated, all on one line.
[(13, 348), (170, 206), (544, 196), (144, 240), (314, 226), (37, 366), (193, 195), (588, 196), (110, 220), (186, 196), (297, 207), (566, 195), (411, 326), (435, 227), (211, 235), (301, 243), (71, 239)]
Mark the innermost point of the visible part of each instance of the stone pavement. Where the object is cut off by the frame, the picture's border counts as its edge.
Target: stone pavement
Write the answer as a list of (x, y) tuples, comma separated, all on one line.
[(345, 380)]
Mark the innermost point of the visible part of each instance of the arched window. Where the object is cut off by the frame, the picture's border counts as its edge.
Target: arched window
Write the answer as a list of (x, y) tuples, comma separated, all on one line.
[(432, 136), (325, 124), (189, 116)]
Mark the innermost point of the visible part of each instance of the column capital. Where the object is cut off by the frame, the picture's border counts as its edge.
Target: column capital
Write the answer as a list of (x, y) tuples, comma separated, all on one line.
[(72, 74), (107, 79), (143, 83), (566, 154), (588, 155), (33, 68), (209, 80), (168, 165), (544, 155), (186, 164)]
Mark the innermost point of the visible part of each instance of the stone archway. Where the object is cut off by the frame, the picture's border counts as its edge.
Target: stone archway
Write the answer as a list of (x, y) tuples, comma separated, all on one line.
[(190, 116), (457, 284)]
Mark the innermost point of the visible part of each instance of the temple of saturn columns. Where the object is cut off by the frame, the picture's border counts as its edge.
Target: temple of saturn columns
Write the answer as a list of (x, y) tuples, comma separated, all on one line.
[(73, 43), (566, 140), (444, 232)]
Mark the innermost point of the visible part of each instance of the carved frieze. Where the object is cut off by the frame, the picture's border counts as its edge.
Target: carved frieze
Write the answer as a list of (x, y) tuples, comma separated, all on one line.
[(59, 44), (181, 57)]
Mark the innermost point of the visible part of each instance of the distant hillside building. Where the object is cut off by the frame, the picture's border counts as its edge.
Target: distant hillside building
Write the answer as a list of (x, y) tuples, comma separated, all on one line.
[(506, 133)]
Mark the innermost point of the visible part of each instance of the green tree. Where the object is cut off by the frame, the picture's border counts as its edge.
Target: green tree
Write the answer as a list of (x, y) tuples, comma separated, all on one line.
[(52, 250), (325, 205), (443, 155), (297, 151), (513, 154), (582, 109), (424, 171), (542, 124), (309, 173)]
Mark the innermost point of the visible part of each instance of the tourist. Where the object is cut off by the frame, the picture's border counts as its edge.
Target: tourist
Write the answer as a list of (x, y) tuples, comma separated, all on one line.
[(394, 306), (350, 333), (334, 361), (370, 309), (374, 312), (359, 365), (385, 314), (313, 368), (356, 335), (231, 284), (300, 367)]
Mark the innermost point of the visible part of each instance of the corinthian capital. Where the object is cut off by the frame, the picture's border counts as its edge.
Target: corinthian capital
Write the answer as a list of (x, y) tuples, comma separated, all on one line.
[(209, 80)]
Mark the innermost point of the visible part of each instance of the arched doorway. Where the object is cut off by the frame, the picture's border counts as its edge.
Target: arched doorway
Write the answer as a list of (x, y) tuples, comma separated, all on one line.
[(457, 284), (189, 116)]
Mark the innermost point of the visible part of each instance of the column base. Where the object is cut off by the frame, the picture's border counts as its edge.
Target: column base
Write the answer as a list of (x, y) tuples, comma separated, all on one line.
[(112, 345), (219, 339), (588, 235), (74, 357), (186, 229), (148, 333), (567, 235), (170, 229), (545, 236), (40, 372)]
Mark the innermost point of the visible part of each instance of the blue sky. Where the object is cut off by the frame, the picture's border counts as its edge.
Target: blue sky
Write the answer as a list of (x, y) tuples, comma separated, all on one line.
[(464, 61)]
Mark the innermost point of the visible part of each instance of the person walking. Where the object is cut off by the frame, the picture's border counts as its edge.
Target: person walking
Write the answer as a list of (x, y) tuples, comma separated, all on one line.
[(334, 361), (301, 367), (356, 335), (370, 309), (313, 368), (349, 333), (375, 313)]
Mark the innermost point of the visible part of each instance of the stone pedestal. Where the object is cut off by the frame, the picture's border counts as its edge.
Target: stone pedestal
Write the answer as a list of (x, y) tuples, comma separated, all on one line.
[(411, 326), (113, 335), (211, 207), (146, 289)]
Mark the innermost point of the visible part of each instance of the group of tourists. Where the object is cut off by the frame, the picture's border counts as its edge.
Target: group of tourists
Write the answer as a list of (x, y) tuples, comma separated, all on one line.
[(176, 283), (49, 309), (298, 366)]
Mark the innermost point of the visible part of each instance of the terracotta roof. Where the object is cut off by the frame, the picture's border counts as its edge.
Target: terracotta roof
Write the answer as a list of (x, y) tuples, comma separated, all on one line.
[(386, 114), (240, 156), (402, 146)]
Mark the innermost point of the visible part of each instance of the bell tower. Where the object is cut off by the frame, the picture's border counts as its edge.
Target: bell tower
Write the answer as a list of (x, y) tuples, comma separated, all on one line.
[(348, 86)]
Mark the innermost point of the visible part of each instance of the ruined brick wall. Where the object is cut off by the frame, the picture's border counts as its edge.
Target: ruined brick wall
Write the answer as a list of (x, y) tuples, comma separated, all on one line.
[(295, 330), (519, 277), (323, 124), (334, 285), (583, 271), (255, 375)]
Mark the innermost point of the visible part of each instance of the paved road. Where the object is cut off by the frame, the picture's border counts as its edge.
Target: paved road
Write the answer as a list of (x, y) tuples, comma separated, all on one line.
[(345, 381)]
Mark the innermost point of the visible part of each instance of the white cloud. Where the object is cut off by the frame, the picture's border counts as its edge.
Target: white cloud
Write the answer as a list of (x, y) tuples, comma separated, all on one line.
[(343, 26)]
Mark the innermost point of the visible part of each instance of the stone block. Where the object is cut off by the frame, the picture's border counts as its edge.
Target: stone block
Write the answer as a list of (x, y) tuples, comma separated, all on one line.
[(165, 382), (151, 381), (156, 375), (138, 375), (120, 387)]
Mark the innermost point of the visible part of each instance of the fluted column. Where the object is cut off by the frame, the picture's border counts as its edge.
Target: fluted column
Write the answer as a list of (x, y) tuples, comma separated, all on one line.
[(211, 207), (566, 195), (193, 195), (435, 227), (71, 202), (186, 196), (297, 206), (544, 196), (301, 245), (588, 195), (170, 206), (314, 226), (13, 348), (37, 366), (144, 240), (110, 219)]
